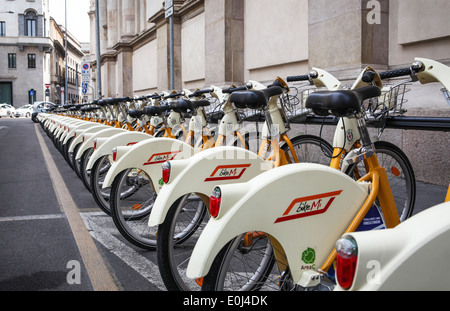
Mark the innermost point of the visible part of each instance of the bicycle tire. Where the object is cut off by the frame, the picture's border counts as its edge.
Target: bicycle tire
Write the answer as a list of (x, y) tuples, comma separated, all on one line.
[(319, 150), (76, 163), (66, 152), (168, 265), (232, 255), (400, 175), (85, 174), (101, 196), (130, 208)]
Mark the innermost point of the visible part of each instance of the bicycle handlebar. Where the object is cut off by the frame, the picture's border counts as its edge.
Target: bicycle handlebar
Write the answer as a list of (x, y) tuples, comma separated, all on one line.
[(297, 78), (368, 76), (200, 92), (233, 89), (174, 95)]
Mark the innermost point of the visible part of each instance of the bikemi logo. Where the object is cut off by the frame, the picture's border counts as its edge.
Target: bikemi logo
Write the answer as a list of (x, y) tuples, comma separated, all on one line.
[(228, 172), (309, 206), (161, 157)]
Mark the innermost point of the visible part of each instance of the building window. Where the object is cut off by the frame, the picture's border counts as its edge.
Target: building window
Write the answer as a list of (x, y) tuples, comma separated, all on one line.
[(2, 29), (11, 60), (31, 60), (31, 27)]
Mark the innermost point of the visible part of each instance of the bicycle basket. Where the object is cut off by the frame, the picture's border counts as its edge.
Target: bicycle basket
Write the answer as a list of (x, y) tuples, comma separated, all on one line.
[(389, 103), (293, 103)]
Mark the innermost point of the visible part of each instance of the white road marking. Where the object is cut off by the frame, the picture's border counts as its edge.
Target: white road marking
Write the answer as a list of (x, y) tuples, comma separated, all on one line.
[(32, 217), (101, 228)]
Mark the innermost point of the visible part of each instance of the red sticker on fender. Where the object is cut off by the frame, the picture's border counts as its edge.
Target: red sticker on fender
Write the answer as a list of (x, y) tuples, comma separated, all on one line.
[(309, 206)]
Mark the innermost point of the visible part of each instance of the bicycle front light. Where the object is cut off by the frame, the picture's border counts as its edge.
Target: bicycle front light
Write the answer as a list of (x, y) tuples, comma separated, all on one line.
[(346, 261), (166, 172), (214, 202)]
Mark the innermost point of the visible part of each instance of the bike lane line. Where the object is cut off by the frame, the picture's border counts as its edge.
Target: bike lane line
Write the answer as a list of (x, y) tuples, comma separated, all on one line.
[(98, 273)]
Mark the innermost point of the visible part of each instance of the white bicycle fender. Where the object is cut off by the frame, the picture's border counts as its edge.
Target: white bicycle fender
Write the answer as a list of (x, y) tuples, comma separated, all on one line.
[(78, 128), (305, 207), (79, 138), (89, 139), (148, 156), (67, 127), (104, 147), (200, 173)]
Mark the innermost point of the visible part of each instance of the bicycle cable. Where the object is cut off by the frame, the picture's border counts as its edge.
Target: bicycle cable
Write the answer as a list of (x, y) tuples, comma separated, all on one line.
[(321, 146)]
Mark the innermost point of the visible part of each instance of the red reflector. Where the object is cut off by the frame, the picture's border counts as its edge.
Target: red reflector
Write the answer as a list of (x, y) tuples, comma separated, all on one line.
[(346, 260), (214, 202), (114, 152), (166, 172)]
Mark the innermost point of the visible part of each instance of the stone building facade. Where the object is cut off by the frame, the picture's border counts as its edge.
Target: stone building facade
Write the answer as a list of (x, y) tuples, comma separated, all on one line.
[(25, 49), (232, 41)]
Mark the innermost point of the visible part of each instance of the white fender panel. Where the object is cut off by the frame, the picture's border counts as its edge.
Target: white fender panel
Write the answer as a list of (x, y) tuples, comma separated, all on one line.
[(69, 126), (303, 206), (149, 155), (120, 139), (202, 172), (77, 129), (79, 139), (89, 139)]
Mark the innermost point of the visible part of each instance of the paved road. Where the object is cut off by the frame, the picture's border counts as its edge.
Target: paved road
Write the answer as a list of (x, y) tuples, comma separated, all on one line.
[(40, 250)]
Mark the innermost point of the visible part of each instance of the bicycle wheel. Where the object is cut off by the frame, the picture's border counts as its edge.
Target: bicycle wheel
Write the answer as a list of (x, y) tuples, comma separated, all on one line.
[(75, 163), (176, 240), (86, 174), (310, 149), (66, 154), (400, 175), (241, 266), (132, 198), (98, 174)]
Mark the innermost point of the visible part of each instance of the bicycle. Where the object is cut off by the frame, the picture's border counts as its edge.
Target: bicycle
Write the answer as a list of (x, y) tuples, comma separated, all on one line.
[(179, 209), (314, 197)]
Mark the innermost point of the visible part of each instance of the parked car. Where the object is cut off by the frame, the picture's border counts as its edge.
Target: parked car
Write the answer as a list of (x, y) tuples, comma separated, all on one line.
[(412, 256), (41, 107), (24, 111), (7, 110)]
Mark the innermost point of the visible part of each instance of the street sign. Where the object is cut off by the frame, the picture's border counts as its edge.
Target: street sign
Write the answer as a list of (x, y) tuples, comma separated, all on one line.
[(168, 8), (85, 73), (84, 90), (47, 86), (168, 4)]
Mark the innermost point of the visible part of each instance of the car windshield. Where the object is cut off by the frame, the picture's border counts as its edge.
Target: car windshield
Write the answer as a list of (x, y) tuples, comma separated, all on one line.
[(25, 107)]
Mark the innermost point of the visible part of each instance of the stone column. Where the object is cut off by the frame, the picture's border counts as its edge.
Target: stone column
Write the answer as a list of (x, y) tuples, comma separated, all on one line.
[(344, 38), (112, 22), (224, 39)]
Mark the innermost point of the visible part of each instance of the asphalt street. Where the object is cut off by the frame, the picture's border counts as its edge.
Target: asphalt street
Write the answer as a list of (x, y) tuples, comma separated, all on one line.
[(39, 249)]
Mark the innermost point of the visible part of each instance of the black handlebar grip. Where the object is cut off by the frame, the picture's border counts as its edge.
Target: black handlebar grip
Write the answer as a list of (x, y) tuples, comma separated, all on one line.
[(395, 73), (174, 95), (200, 92), (368, 76), (297, 78), (234, 89)]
